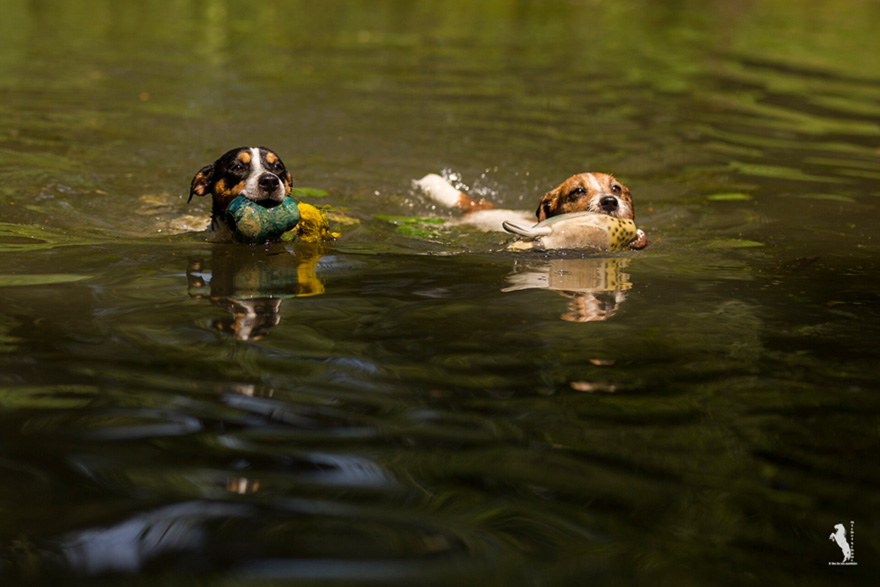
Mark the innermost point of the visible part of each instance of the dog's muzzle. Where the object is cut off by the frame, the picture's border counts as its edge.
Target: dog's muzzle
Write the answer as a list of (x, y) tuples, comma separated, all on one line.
[(269, 191), (609, 204), (268, 183)]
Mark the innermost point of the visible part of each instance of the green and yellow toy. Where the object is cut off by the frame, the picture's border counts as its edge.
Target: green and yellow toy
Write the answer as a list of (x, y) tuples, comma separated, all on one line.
[(254, 224), (313, 226)]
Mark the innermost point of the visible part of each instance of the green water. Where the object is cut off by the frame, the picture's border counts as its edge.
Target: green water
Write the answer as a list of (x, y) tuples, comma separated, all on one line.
[(410, 404)]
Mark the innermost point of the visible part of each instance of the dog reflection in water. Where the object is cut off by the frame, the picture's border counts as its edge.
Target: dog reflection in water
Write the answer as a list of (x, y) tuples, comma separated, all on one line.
[(594, 286), (250, 283)]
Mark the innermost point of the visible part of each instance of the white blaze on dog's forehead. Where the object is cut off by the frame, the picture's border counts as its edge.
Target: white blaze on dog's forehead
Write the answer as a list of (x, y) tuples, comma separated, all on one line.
[(594, 182), (256, 162), (252, 185)]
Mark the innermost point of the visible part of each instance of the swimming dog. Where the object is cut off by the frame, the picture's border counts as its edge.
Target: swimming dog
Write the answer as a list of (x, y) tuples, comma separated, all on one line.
[(584, 192), (256, 173)]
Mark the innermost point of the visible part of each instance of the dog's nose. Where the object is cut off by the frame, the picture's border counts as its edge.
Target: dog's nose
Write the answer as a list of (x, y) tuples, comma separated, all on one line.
[(268, 182), (609, 203)]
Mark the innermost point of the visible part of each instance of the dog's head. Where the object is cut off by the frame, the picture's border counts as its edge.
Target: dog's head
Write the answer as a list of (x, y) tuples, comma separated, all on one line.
[(587, 192), (256, 173)]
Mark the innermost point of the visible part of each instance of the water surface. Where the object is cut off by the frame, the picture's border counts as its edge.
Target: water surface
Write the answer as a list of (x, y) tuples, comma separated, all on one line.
[(411, 404)]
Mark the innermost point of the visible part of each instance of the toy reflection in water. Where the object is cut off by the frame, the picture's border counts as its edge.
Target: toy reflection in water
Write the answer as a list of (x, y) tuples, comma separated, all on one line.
[(251, 282), (595, 286)]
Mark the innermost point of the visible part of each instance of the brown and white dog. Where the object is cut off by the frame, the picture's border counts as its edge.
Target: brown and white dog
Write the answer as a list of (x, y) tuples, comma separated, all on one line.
[(584, 192), (256, 173)]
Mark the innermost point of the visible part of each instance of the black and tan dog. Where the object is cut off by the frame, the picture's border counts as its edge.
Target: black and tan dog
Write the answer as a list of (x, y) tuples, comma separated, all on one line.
[(256, 173)]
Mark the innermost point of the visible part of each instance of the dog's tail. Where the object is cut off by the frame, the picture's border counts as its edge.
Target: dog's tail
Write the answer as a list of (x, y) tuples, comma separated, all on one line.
[(445, 194)]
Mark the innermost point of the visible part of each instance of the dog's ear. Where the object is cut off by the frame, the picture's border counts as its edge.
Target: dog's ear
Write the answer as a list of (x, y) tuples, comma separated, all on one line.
[(288, 182), (201, 181), (547, 205)]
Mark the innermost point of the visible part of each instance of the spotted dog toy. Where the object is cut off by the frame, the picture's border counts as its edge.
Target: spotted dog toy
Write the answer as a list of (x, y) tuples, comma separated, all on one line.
[(577, 230)]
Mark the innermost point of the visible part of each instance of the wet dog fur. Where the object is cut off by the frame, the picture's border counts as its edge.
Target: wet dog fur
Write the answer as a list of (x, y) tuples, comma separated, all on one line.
[(256, 173), (584, 192)]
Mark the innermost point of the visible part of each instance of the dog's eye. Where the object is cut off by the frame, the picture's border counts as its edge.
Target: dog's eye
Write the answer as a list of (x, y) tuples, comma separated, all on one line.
[(578, 191), (615, 189), (236, 168), (277, 166)]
